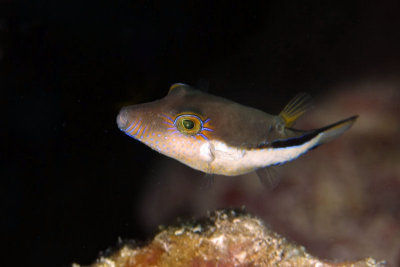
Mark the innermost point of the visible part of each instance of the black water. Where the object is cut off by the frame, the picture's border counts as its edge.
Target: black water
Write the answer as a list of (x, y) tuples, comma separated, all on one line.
[(70, 177)]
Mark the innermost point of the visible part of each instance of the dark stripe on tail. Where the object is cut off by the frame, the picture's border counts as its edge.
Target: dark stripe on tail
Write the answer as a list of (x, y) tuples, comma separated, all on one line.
[(294, 141), (304, 138)]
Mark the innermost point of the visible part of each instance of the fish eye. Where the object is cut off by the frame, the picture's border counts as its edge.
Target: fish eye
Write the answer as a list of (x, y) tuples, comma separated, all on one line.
[(188, 124)]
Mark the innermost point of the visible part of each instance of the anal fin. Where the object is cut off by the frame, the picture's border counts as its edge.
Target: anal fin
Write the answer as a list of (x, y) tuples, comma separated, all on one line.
[(207, 181), (269, 177)]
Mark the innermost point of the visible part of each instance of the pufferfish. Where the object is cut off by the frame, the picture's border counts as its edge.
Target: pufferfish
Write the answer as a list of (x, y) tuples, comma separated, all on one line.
[(218, 136)]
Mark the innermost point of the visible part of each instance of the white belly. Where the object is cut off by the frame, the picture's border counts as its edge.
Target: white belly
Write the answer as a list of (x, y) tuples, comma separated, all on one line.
[(232, 161)]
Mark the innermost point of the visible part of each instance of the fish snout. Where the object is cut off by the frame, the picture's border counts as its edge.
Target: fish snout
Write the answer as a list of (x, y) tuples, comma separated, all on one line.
[(122, 119)]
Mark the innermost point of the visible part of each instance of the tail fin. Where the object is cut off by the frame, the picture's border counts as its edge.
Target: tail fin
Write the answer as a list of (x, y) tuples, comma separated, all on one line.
[(316, 137), (299, 142), (332, 131), (295, 108)]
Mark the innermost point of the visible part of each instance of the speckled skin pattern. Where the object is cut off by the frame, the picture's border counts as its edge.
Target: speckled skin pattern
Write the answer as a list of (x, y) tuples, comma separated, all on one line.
[(222, 137)]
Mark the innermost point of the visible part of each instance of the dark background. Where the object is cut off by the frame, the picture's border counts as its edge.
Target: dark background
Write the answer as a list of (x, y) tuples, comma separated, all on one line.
[(70, 177)]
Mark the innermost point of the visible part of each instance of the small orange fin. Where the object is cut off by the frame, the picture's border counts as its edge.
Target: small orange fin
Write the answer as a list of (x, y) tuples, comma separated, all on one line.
[(295, 108)]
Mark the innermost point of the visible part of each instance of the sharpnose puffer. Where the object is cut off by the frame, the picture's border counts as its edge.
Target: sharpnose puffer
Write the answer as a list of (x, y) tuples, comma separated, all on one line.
[(218, 136)]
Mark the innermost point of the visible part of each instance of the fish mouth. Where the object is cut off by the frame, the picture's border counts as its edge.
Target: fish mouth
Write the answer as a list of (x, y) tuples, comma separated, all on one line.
[(122, 119)]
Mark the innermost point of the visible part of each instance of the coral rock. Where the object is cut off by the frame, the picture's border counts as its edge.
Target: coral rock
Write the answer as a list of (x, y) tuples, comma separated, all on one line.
[(226, 238)]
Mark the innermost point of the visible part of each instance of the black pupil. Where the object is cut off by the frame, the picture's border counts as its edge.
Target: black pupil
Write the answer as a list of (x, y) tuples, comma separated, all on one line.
[(188, 124)]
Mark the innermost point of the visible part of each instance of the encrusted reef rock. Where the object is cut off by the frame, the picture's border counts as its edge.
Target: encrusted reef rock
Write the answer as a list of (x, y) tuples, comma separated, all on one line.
[(225, 238)]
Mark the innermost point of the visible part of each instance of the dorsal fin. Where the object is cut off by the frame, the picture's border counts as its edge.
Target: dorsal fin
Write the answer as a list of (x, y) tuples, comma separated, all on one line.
[(295, 108), (177, 85), (180, 89)]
